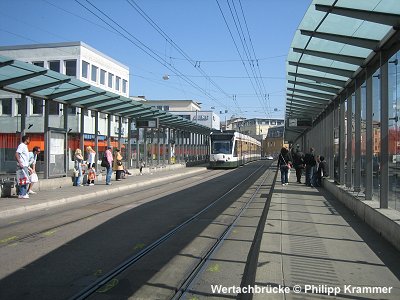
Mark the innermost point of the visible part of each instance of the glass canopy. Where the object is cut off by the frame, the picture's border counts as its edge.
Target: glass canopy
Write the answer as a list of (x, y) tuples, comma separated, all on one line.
[(334, 42), (24, 78)]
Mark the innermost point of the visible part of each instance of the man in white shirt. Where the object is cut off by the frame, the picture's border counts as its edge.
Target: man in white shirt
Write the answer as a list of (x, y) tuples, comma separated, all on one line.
[(22, 158)]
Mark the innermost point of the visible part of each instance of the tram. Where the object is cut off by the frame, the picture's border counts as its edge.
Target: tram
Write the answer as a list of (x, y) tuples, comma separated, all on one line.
[(230, 149)]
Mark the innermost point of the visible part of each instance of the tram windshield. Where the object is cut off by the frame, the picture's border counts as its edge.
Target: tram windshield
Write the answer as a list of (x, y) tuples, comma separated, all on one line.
[(221, 147)]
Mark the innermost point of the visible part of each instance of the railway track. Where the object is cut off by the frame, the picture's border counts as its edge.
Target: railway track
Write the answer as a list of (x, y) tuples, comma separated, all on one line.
[(99, 208), (129, 269)]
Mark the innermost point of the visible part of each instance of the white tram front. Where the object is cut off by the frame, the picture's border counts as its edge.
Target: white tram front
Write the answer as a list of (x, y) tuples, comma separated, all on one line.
[(230, 149)]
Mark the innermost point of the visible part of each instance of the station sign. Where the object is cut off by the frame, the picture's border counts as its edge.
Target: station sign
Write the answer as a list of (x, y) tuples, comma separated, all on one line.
[(147, 123), (304, 122)]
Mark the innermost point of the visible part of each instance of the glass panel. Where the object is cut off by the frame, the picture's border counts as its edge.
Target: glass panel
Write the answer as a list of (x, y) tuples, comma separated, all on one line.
[(363, 133), (94, 73), (117, 82), (353, 137), (336, 165), (5, 108), (394, 132), (85, 68), (110, 80), (70, 67), (54, 108), (37, 106), (124, 86), (102, 77), (72, 110), (376, 131), (54, 65), (18, 101)]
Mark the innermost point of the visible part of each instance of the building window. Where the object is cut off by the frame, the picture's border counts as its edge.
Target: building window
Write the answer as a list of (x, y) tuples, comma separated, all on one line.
[(18, 100), (85, 69), (72, 110), (94, 73), (110, 80), (37, 106), (124, 83), (54, 65), (102, 77), (38, 63), (117, 82), (54, 108), (70, 67), (5, 106)]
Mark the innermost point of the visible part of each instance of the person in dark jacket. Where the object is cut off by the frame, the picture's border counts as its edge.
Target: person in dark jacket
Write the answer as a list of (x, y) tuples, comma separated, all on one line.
[(284, 164), (298, 163), (310, 162)]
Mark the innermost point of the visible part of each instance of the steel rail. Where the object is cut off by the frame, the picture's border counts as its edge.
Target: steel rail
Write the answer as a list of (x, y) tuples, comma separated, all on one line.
[(116, 206), (89, 290), (181, 292)]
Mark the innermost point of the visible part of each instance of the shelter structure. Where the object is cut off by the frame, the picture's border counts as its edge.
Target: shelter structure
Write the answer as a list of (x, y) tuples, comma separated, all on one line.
[(343, 92), (69, 94)]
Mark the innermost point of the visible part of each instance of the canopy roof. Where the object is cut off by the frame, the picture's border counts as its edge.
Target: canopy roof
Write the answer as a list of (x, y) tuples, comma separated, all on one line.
[(335, 41), (24, 78)]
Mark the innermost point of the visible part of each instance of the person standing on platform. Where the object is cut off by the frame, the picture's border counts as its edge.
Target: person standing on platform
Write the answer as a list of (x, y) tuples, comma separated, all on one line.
[(32, 166), (284, 163), (118, 166), (91, 165), (298, 162), (109, 168), (322, 170), (78, 161), (310, 162), (141, 165), (22, 158)]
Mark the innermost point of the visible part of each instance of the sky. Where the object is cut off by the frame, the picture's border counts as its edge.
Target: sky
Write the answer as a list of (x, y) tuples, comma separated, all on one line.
[(229, 55)]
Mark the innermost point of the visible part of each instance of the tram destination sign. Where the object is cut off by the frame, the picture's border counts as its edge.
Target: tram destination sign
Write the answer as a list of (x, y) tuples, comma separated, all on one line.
[(147, 123)]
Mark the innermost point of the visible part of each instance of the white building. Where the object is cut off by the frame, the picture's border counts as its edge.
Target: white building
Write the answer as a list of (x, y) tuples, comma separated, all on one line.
[(75, 59)]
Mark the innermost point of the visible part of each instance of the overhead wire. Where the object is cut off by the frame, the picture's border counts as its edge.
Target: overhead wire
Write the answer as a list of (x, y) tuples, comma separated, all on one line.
[(237, 47), (193, 62), (150, 52), (247, 51), (255, 56)]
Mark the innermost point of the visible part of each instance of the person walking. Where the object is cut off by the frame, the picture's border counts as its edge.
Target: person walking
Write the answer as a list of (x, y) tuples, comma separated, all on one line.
[(118, 166), (284, 163), (141, 165), (32, 167), (310, 162), (109, 168), (91, 165), (22, 158), (78, 162)]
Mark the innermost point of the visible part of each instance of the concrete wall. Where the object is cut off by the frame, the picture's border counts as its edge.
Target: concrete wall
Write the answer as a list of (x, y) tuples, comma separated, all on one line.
[(384, 221)]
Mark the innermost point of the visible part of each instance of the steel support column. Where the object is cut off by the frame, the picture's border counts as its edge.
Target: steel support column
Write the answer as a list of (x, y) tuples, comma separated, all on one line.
[(342, 140), (349, 142), (357, 135)]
